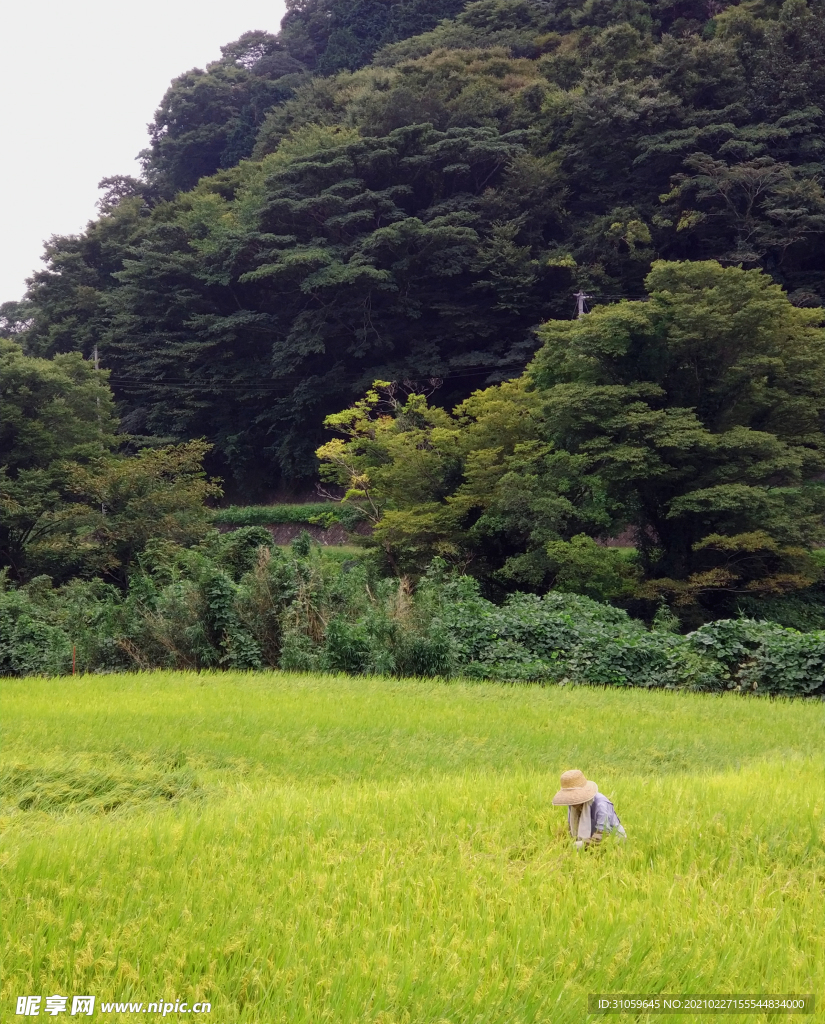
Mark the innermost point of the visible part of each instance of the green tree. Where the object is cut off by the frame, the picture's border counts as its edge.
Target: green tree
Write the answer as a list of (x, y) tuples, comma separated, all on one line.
[(209, 119), (572, 144), (123, 504), (398, 461), (702, 412), (475, 487), (55, 416), (277, 294), (68, 306), (696, 419), (333, 35)]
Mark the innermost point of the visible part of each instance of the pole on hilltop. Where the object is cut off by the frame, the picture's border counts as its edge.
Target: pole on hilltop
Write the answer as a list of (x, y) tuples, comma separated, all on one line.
[(580, 298)]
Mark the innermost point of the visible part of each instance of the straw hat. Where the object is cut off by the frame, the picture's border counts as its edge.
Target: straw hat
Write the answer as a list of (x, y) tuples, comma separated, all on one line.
[(575, 789)]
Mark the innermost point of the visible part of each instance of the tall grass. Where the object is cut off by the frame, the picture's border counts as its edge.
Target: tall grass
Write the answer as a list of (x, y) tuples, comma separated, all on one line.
[(327, 849), (270, 515)]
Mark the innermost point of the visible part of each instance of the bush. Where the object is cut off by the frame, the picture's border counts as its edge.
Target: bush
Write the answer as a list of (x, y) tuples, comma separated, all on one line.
[(528, 637), (236, 601), (573, 638), (40, 625), (323, 513), (804, 611), (787, 663)]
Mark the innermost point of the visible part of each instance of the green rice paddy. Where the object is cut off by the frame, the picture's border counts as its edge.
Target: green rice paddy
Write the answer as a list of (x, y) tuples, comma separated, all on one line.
[(313, 849)]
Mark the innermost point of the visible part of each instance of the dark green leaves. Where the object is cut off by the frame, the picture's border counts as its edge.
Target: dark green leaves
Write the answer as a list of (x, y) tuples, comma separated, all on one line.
[(245, 319)]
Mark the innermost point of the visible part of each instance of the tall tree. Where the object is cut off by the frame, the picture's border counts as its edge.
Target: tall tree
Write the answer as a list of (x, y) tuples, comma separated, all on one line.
[(702, 411), (55, 415), (697, 418), (209, 119), (271, 299), (632, 133), (125, 504)]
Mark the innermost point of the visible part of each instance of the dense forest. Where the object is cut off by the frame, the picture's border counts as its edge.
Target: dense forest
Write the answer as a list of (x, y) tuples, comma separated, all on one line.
[(359, 198), (381, 222)]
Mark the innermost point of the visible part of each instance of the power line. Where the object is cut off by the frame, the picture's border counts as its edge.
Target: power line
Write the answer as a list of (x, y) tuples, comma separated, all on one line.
[(283, 385)]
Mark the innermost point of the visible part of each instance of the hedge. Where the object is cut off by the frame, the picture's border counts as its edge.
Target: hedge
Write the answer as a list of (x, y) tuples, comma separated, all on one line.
[(321, 513)]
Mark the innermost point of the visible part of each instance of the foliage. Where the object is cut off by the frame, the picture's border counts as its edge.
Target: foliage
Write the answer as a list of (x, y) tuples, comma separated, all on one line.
[(701, 412), (209, 119), (570, 638), (333, 35), (420, 476), (384, 232), (67, 307), (786, 663), (804, 610), (68, 504), (319, 513), (399, 460), (56, 416), (41, 624), (235, 601), (53, 410), (571, 146), (580, 566), (155, 496), (694, 418), (308, 224)]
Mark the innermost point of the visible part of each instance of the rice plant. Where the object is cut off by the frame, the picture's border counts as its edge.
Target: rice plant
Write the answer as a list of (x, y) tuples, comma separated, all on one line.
[(308, 848)]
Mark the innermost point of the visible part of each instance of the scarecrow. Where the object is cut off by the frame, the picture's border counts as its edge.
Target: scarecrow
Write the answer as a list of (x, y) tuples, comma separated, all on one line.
[(590, 815)]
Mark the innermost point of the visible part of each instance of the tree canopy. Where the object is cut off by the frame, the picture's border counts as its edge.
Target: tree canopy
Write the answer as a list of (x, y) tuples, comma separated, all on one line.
[(265, 298), (55, 415), (210, 119), (405, 191), (696, 419), (70, 502)]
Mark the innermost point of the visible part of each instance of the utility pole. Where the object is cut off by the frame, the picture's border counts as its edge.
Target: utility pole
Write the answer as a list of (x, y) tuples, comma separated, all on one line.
[(580, 298), (96, 359)]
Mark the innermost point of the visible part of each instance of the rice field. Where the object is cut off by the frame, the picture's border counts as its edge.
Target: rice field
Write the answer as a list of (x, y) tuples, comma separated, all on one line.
[(326, 849)]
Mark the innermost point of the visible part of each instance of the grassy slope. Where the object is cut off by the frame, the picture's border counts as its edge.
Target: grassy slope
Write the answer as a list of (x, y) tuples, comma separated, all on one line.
[(351, 850)]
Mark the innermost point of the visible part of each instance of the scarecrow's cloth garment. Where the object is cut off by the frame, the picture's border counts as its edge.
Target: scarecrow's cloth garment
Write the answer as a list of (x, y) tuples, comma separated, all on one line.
[(603, 818)]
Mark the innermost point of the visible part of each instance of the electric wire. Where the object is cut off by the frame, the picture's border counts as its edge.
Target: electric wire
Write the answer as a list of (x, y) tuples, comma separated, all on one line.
[(287, 385), (283, 386)]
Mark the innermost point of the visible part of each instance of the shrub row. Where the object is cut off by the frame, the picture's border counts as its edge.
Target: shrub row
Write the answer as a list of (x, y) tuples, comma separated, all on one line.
[(322, 513), (569, 638), (237, 602)]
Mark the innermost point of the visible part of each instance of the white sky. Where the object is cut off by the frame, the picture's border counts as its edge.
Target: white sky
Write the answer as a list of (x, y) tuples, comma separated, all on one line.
[(79, 82)]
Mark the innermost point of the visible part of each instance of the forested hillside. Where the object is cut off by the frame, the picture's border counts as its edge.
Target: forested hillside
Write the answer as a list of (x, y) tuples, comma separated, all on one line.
[(355, 258), (377, 193)]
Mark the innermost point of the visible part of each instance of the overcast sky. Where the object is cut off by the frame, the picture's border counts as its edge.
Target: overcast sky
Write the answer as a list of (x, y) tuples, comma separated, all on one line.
[(79, 81)]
